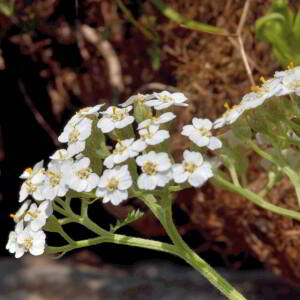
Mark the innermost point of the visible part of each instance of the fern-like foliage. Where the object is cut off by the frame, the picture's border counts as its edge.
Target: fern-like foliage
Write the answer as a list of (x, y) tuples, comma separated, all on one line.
[(132, 216)]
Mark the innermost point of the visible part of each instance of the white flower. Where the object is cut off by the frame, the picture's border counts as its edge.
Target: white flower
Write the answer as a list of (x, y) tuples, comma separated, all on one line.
[(75, 136), (193, 169), (136, 99), (80, 177), (114, 184), (60, 155), (165, 99), (32, 241), (37, 216), (115, 117), (123, 150), (31, 186), (291, 80), (156, 169), (55, 183), (87, 112), (12, 245), (200, 134), (18, 216), (156, 121), (230, 116), (29, 172), (270, 88), (152, 136)]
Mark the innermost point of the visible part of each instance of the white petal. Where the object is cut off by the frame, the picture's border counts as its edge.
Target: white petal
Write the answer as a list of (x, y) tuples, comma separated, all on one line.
[(109, 161), (214, 143), (193, 157), (106, 125), (199, 140), (146, 182)]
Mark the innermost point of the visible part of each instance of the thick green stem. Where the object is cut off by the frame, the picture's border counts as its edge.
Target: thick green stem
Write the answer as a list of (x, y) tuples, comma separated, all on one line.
[(218, 180), (185, 251)]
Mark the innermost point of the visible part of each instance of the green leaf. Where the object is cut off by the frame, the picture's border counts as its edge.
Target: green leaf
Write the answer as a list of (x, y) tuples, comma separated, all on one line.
[(132, 216)]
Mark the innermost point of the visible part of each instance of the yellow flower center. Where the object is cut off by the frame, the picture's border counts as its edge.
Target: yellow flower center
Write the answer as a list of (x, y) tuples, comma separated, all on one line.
[(30, 187), (291, 65), (73, 136), (113, 184), (28, 243), (55, 179), (204, 132), (84, 173), (28, 170), (34, 214), (118, 114), (165, 99), (150, 168), (189, 167)]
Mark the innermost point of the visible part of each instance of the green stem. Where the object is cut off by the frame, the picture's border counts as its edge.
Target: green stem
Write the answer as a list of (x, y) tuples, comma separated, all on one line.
[(272, 179), (131, 19), (118, 239), (279, 161), (184, 251), (66, 236), (60, 210), (186, 22), (259, 201), (233, 174)]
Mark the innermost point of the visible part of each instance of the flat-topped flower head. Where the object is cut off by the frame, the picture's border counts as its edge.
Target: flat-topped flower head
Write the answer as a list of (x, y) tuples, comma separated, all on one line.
[(31, 241), (31, 186), (124, 150), (152, 136), (193, 169), (156, 121), (114, 184), (200, 134), (55, 183), (115, 118), (156, 169), (166, 99), (86, 112), (76, 136), (136, 99), (37, 215), (230, 116), (80, 176), (61, 155), (12, 245), (19, 215)]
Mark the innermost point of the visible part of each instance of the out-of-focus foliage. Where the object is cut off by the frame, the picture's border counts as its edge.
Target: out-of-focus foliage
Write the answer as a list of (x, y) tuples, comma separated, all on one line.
[(281, 28), (7, 8)]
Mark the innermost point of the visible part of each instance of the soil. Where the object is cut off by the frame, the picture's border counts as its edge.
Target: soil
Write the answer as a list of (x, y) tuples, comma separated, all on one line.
[(44, 279)]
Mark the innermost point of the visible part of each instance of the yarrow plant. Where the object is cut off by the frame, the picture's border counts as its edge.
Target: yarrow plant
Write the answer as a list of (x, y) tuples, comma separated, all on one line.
[(110, 158)]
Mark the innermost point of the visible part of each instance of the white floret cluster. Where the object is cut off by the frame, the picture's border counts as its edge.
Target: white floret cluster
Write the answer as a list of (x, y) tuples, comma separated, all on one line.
[(139, 160), (284, 83)]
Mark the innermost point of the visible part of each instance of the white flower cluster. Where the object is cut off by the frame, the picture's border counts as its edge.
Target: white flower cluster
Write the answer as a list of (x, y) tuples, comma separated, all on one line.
[(284, 83), (135, 162)]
